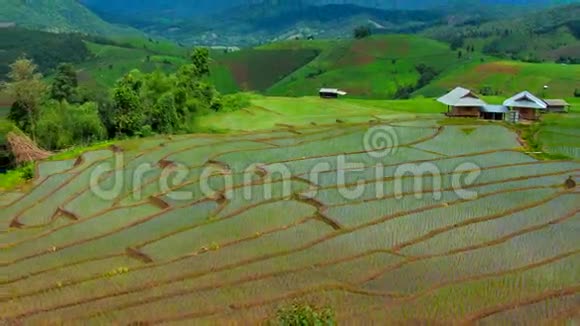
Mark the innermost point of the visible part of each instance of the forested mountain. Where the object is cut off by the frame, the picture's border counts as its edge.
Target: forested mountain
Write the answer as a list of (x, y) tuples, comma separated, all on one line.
[(250, 22), (187, 8), (256, 24), (552, 34), (57, 16)]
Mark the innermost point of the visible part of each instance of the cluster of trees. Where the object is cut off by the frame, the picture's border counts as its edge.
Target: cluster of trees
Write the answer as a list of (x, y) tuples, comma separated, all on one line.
[(362, 32), (568, 60), (56, 115), (426, 75), (62, 114), (162, 103), (488, 91)]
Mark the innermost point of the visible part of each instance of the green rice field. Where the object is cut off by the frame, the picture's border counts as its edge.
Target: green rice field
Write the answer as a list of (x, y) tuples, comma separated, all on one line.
[(560, 133), (436, 224)]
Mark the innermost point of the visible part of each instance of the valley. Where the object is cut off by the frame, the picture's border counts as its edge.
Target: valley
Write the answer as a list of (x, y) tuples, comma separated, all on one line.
[(289, 162)]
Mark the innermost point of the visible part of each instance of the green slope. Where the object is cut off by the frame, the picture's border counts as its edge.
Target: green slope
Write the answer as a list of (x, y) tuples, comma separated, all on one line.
[(259, 69), (509, 77), (46, 49), (101, 60), (58, 16), (375, 67), (109, 63)]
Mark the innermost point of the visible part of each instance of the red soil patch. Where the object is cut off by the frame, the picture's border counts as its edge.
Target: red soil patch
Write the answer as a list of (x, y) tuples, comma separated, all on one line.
[(358, 90), (497, 68), (241, 74), (363, 52), (566, 51), (259, 70), (356, 59), (371, 46)]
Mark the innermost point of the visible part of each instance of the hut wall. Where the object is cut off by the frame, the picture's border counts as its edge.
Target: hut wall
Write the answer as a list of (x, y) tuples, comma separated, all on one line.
[(328, 95), (465, 112), (557, 109), (528, 114)]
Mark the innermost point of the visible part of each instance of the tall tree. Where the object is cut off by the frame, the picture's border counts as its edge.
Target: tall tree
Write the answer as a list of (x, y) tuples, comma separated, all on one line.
[(27, 89), (64, 86), (200, 61), (128, 113)]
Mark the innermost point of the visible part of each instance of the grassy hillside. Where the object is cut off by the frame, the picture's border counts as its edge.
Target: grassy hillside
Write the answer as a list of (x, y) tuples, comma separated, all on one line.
[(507, 78), (110, 62), (58, 16), (560, 134), (269, 112), (257, 70), (101, 60), (374, 67), (46, 49)]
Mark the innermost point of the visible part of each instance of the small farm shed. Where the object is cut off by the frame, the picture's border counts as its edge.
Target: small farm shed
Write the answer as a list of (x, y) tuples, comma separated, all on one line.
[(462, 102), (557, 105), (494, 112), (527, 104), (330, 93)]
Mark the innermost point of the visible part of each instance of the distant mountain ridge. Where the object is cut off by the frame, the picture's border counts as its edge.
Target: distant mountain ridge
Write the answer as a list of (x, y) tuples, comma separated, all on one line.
[(187, 8), (251, 22), (254, 24), (59, 16)]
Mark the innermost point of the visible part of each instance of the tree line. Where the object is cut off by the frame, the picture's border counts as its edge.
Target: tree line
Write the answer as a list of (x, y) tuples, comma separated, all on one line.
[(61, 114)]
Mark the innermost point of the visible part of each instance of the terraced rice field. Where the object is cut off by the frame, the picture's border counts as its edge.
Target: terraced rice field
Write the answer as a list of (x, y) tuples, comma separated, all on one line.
[(443, 227), (560, 134)]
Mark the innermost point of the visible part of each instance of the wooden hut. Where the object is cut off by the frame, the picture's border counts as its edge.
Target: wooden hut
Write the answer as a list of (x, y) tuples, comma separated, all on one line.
[(527, 105), (330, 93), (462, 102), (557, 106)]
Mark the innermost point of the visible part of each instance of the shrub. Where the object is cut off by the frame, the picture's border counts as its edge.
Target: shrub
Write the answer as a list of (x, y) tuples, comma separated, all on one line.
[(18, 176), (486, 91), (63, 125), (304, 314), (234, 102), (456, 43), (362, 32)]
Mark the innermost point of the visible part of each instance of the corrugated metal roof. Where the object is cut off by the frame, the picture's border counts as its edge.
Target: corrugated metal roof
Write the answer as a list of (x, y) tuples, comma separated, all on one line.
[(525, 99), (556, 102), (461, 97), (332, 91), (328, 90), (495, 108)]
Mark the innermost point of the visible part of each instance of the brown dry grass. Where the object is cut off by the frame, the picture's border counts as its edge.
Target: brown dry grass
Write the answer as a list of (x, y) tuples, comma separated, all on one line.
[(25, 149)]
